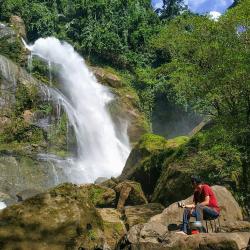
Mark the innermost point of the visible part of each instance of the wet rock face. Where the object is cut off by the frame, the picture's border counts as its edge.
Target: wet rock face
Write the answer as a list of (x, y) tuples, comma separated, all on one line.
[(124, 110), (62, 217), (20, 173), (107, 78), (6, 31), (101, 196)]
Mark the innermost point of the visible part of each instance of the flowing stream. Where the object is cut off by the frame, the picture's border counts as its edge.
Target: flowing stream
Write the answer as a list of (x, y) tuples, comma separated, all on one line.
[(100, 151)]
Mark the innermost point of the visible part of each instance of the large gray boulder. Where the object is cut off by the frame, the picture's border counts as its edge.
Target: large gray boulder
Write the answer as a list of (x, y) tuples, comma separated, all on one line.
[(141, 213), (230, 209), (20, 173), (129, 193), (155, 236)]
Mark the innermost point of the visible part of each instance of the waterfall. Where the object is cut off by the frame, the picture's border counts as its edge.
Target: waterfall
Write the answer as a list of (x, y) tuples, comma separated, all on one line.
[(2, 205), (101, 152)]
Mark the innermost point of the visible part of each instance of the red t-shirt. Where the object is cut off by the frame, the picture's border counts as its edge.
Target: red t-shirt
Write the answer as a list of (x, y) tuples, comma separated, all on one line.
[(199, 196)]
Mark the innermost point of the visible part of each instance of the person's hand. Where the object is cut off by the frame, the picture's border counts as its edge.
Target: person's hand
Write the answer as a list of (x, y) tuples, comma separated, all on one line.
[(181, 204)]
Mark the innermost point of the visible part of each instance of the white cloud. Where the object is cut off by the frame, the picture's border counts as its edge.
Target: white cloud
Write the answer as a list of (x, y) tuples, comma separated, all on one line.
[(215, 15)]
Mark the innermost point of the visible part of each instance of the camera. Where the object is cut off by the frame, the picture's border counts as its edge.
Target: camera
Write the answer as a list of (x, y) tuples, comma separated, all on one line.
[(181, 204)]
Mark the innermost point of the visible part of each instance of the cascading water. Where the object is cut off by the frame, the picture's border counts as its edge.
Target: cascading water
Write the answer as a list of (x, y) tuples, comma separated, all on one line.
[(100, 151)]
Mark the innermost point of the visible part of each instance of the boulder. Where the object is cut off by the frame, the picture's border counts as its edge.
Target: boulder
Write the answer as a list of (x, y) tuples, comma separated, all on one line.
[(100, 196), (141, 213), (155, 236), (19, 173), (61, 218), (236, 226), (145, 161), (130, 193), (106, 77), (230, 209), (114, 228)]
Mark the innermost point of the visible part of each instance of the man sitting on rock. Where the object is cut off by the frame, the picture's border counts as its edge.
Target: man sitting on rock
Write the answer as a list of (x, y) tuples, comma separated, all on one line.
[(204, 205)]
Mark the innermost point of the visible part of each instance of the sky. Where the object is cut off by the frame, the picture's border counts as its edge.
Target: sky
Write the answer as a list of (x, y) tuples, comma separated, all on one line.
[(202, 6)]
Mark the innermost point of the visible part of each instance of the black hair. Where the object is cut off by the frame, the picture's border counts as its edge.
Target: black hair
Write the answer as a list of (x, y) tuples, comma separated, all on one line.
[(196, 179)]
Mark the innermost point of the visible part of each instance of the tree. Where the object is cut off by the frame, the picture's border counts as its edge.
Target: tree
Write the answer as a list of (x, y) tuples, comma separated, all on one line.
[(209, 71), (235, 3), (110, 31), (172, 8)]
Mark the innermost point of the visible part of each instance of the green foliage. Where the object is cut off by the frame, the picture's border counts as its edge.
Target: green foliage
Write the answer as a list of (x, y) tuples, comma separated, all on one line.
[(20, 131), (26, 99), (152, 142), (58, 132), (210, 64), (91, 235), (45, 108), (214, 156), (11, 48), (114, 31), (96, 194), (23, 100), (206, 66), (172, 8)]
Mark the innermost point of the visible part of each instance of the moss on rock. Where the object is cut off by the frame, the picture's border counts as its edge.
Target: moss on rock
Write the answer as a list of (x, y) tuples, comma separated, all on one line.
[(62, 218), (114, 228), (11, 45), (145, 162), (101, 196), (206, 154)]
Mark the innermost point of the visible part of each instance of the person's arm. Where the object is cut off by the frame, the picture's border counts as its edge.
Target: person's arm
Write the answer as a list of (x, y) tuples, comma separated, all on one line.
[(206, 201), (190, 206)]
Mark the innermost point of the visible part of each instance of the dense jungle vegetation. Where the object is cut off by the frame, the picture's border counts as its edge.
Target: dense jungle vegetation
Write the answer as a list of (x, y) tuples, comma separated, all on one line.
[(190, 59)]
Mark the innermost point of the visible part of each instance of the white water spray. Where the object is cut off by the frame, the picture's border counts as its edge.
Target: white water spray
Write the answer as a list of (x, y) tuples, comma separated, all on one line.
[(100, 151)]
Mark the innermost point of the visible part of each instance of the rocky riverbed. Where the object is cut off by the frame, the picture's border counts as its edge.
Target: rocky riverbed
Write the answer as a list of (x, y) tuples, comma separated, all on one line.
[(112, 215)]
